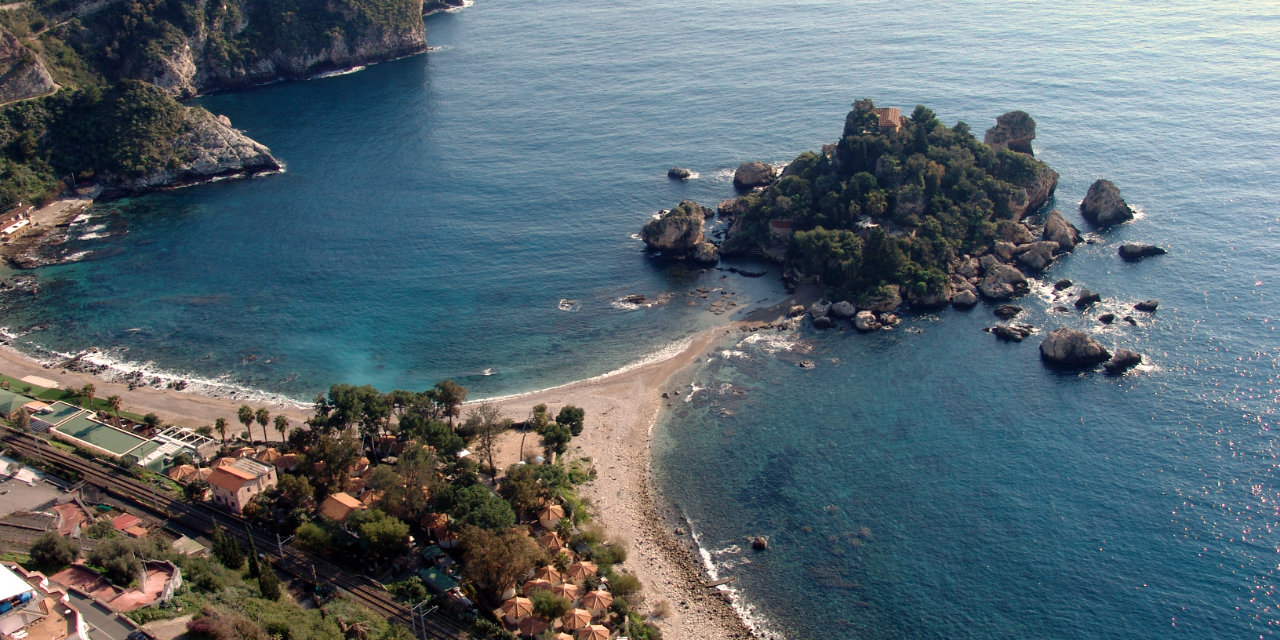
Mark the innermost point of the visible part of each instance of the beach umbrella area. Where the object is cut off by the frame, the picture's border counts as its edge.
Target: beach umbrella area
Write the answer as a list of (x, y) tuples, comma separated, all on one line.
[(530, 626), (581, 570), (576, 619), (568, 591), (517, 608), (594, 632), (597, 600)]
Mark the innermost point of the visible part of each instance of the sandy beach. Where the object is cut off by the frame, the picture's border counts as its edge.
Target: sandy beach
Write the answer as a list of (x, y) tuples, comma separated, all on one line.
[(174, 407), (621, 411)]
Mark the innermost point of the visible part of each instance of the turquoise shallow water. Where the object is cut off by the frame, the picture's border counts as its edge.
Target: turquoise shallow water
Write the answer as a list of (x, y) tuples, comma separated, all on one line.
[(927, 482)]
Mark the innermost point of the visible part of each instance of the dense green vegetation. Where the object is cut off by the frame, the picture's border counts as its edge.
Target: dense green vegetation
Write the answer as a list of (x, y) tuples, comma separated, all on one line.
[(130, 38), (889, 208), (127, 130)]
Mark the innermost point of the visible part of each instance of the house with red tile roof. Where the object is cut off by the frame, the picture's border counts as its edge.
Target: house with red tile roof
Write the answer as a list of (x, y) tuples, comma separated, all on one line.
[(235, 483)]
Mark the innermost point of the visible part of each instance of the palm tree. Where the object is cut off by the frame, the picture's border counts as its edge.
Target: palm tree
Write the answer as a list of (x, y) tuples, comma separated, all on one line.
[(282, 425), (87, 392), (221, 425), (263, 418), (114, 401), (245, 416)]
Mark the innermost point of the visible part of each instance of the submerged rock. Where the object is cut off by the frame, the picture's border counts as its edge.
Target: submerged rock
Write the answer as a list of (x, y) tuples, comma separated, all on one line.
[(1072, 348), (1006, 311), (1103, 206), (1087, 298), (705, 253), (1011, 332)]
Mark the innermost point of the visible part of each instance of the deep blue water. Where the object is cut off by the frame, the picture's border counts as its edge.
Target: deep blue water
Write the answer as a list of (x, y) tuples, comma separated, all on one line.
[(927, 482)]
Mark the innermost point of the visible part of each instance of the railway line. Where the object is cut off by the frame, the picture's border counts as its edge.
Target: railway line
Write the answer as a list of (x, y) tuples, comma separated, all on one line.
[(201, 517)]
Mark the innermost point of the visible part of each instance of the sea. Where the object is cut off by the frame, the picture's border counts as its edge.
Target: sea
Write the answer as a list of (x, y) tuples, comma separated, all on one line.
[(471, 214)]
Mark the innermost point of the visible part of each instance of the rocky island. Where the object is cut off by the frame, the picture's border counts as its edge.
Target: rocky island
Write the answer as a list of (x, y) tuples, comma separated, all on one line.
[(899, 209)]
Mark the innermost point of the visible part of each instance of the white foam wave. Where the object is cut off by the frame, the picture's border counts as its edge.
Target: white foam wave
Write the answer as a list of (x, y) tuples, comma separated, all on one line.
[(338, 72), (771, 342), (693, 388), (465, 4), (118, 369), (729, 354), (75, 257), (665, 353), (750, 616), (93, 236)]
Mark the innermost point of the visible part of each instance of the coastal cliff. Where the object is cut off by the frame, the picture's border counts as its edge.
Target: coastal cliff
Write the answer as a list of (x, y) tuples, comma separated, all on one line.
[(199, 46), (22, 74), (128, 138)]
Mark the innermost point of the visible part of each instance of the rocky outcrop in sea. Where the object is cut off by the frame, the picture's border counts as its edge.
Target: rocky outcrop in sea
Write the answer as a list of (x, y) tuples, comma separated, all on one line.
[(1103, 206), (211, 148)]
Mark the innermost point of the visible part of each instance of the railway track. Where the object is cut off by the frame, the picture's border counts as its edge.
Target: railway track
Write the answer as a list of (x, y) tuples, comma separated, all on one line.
[(201, 517)]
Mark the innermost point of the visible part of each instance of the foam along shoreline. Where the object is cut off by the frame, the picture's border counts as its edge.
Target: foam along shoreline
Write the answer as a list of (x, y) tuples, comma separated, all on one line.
[(200, 404)]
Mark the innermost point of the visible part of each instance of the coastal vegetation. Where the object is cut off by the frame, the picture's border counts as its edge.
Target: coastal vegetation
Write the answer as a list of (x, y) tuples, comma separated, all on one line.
[(113, 116), (890, 206)]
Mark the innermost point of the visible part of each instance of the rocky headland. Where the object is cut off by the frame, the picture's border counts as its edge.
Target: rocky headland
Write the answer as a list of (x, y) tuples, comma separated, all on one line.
[(22, 73)]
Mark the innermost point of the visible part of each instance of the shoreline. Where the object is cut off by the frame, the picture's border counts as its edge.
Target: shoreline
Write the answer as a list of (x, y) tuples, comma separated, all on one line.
[(622, 410)]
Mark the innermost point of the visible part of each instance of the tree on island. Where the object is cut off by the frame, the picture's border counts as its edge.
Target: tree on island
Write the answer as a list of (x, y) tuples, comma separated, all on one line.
[(245, 416)]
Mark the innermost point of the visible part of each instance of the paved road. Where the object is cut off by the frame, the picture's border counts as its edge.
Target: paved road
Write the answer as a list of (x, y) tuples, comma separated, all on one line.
[(103, 624)]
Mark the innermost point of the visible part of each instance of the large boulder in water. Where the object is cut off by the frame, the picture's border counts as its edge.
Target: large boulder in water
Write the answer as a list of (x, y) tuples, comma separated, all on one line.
[(679, 173), (1132, 252), (1103, 206), (754, 174), (865, 321), (886, 299), (1013, 131), (964, 299), (677, 232), (1122, 361), (732, 207), (1072, 348), (1057, 229)]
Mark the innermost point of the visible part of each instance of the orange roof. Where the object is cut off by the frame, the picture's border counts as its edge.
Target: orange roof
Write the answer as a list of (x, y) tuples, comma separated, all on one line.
[(286, 461), (581, 570), (435, 520), (229, 478), (269, 455), (122, 522), (568, 591), (182, 473), (548, 572), (551, 512), (594, 632), (338, 506), (597, 600), (537, 585), (532, 626), (577, 619), (551, 541), (517, 608)]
